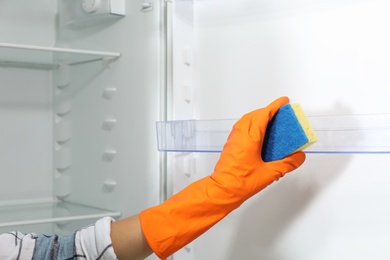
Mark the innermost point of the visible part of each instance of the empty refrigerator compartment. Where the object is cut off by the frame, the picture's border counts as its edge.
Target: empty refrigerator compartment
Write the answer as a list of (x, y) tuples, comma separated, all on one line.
[(56, 212), (336, 134), (41, 57)]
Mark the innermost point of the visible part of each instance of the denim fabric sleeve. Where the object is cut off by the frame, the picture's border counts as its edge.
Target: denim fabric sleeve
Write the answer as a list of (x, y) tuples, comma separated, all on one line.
[(53, 247), (93, 242)]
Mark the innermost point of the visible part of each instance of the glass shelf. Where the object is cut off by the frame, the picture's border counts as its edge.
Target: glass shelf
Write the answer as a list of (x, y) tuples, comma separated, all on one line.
[(49, 213), (38, 57), (336, 134)]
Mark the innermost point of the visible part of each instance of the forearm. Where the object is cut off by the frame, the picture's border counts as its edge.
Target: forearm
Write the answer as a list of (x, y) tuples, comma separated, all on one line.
[(128, 239)]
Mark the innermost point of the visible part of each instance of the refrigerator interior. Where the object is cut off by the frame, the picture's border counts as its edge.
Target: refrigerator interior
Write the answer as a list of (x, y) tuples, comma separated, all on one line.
[(230, 57), (80, 95), (84, 133)]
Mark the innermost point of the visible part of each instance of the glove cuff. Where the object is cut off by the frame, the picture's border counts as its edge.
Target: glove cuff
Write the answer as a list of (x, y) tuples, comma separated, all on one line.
[(185, 216)]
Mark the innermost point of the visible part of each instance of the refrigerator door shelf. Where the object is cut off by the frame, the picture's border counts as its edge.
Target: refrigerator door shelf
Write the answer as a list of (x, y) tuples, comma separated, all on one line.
[(56, 212), (336, 134), (39, 57)]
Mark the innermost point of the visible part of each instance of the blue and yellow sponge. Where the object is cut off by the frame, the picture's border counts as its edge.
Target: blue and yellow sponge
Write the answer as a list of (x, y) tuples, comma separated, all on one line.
[(289, 131)]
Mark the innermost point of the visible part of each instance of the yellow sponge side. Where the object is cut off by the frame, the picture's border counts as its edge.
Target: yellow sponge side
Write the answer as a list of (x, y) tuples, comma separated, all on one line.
[(305, 124)]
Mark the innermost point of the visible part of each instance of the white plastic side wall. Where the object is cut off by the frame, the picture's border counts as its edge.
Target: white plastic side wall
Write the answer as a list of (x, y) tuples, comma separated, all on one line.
[(25, 106), (333, 58), (113, 108)]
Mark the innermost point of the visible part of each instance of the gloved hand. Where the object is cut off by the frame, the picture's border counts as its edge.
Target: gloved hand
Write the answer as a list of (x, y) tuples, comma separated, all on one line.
[(239, 174)]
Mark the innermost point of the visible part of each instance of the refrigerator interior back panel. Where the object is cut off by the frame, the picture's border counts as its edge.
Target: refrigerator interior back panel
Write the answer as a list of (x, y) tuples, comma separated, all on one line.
[(78, 108), (330, 56), (28, 22), (26, 135), (113, 106), (26, 107)]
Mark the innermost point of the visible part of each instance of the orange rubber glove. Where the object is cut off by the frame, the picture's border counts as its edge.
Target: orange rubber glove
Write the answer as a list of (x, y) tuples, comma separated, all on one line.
[(239, 174)]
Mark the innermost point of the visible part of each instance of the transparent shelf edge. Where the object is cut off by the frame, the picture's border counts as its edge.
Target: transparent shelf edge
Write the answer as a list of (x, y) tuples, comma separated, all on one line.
[(336, 134), (55, 212), (43, 57)]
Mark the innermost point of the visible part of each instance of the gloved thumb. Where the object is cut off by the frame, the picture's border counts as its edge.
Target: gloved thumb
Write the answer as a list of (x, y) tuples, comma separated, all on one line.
[(286, 165)]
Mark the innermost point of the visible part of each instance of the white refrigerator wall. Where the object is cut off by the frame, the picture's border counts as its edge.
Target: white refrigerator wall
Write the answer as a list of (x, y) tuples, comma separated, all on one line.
[(332, 57), (85, 133), (26, 105), (113, 107)]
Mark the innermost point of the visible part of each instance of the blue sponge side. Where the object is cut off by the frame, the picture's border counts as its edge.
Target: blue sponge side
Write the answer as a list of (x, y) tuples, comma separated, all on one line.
[(284, 135)]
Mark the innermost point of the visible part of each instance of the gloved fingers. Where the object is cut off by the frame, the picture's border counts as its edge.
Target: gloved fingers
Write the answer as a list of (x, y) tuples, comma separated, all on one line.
[(261, 122), (262, 117), (294, 160), (274, 106), (255, 123), (287, 164)]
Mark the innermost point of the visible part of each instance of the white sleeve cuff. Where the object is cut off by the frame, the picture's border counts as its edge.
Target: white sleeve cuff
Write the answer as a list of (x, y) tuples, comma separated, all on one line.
[(95, 241)]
